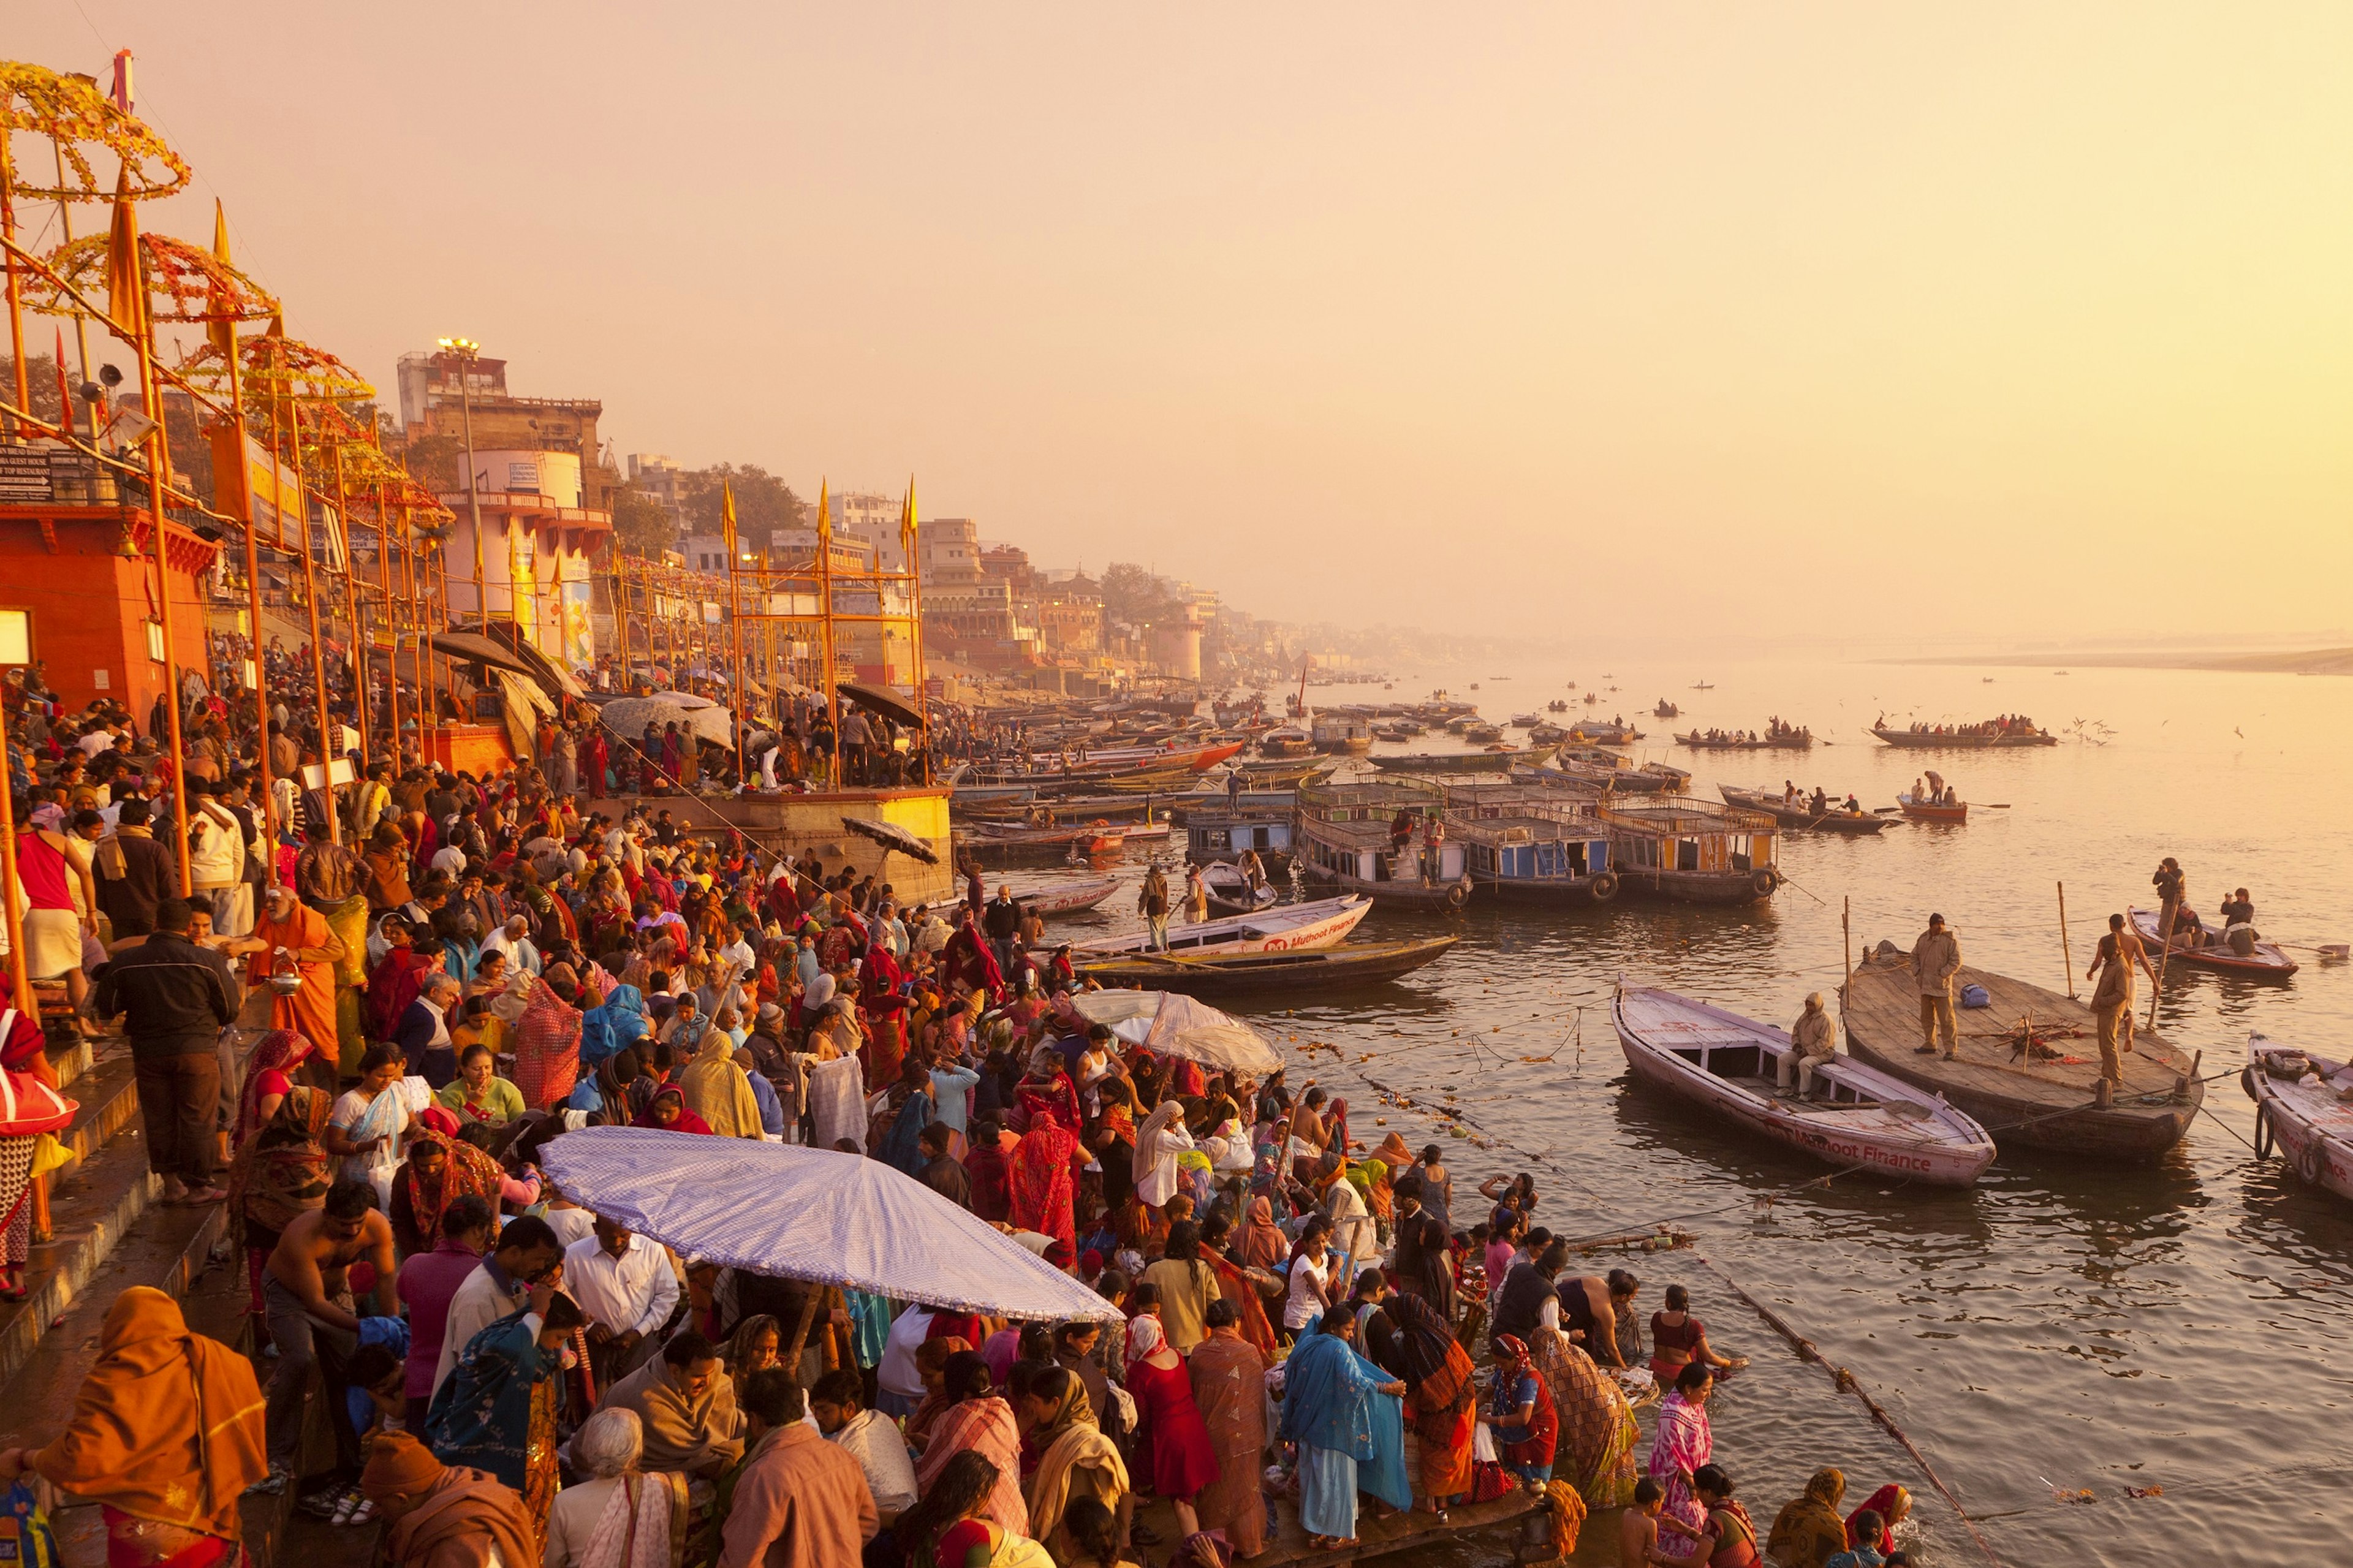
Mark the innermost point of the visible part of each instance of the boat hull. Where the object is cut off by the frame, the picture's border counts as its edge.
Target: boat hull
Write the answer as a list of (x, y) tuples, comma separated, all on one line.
[(1955, 1161), (1843, 822), (1286, 931), (1396, 894), (2309, 1128), (1699, 887), (1067, 897), (2268, 962), (1270, 973), (2049, 1107), (1906, 740), (1955, 815)]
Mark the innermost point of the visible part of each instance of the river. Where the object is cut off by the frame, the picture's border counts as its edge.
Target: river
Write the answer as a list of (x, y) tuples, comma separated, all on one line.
[(2065, 1326)]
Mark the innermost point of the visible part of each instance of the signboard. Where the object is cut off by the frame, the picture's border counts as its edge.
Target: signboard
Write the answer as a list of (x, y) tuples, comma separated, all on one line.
[(251, 485), (25, 476), (316, 777)]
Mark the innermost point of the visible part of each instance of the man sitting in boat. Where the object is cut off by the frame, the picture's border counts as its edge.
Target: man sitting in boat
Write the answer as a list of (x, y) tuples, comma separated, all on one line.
[(2189, 931), (1401, 829), (1813, 1041), (2238, 924), (1853, 807), (1821, 802), (1253, 870), (1789, 792)]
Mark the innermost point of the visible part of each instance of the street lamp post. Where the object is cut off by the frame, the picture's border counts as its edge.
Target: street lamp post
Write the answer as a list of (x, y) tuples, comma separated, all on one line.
[(465, 349)]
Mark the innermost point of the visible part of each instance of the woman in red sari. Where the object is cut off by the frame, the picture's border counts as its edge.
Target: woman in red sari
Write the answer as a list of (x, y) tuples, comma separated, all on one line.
[(667, 1112), (1183, 1461), (1042, 1178)]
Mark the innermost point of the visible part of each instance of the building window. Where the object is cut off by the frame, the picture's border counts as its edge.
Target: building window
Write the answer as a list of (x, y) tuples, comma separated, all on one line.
[(16, 637)]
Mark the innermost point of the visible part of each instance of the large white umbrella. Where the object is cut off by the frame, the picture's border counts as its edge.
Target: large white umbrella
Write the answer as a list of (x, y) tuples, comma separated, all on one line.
[(628, 716), (810, 1214), (1172, 1025)]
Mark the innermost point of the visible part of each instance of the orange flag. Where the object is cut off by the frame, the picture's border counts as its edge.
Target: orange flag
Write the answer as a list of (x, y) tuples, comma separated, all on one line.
[(126, 288), (220, 329)]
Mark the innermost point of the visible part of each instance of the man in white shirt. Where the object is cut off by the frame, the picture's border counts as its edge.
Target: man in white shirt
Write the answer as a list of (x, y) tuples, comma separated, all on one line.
[(101, 739), (869, 1437), (449, 860), (526, 1255), (737, 950), (514, 940), (899, 1386), (626, 1286)]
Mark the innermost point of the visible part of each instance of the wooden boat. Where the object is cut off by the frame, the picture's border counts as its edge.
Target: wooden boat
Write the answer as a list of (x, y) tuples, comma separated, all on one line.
[(1214, 832), (1277, 973), (1965, 737), (1703, 686), (1601, 732), (1557, 705), (2303, 1109), (1482, 734), (1230, 892), (1725, 1063), (1794, 741), (1525, 720), (1495, 762), (1290, 740), (1343, 841), (2266, 962), (1530, 843), (1692, 851), (2045, 1097), (1286, 928), (1546, 732), (1666, 710), (1049, 900), (1091, 840), (1920, 811), (1853, 824), (1336, 733)]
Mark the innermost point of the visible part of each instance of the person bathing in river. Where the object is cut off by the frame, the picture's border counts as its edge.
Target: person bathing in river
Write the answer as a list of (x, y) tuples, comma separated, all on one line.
[(1678, 1340)]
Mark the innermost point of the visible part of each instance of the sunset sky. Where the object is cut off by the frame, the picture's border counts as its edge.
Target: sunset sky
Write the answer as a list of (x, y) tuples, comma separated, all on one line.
[(1986, 321)]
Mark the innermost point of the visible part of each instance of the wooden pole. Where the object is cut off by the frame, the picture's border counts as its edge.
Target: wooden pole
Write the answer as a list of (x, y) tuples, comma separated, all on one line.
[(1846, 936), (16, 315), (2066, 949), (801, 1329)]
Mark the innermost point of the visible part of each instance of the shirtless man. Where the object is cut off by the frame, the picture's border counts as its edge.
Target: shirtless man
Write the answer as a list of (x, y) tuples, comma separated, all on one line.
[(308, 1294), (1638, 1527), (1586, 1304)]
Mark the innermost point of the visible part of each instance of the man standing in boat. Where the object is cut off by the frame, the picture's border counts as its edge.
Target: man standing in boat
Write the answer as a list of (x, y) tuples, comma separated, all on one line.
[(1152, 903), (1935, 959), (2111, 1001), (2172, 887)]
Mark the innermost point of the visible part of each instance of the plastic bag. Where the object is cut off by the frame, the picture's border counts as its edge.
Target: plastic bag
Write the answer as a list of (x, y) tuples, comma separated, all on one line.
[(1483, 1446), (26, 1538)]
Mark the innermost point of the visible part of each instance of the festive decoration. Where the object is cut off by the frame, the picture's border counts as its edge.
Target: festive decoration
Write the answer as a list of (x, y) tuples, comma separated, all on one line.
[(186, 283), (271, 365), (73, 113)]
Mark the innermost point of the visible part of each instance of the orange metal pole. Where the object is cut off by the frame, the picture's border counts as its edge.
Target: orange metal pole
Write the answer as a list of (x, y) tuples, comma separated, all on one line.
[(159, 477), (253, 613), (352, 603)]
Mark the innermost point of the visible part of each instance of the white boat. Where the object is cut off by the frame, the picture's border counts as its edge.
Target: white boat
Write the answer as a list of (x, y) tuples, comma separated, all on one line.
[(1231, 892), (2303, 1109), (1288, 928), (1724, 1062), (1047, 900)]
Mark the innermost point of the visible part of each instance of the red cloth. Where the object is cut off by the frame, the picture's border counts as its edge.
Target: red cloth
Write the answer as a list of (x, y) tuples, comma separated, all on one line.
[(992, 1193), (1042, 1184), (547, 1048), (1182, 1461), (1879, 1502)]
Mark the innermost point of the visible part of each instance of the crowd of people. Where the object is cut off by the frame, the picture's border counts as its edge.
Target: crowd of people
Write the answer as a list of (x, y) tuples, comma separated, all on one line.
[(487, 964)]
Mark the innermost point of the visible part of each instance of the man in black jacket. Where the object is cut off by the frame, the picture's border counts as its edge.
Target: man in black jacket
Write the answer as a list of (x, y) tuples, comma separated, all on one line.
[(135, 872), (177, 997)]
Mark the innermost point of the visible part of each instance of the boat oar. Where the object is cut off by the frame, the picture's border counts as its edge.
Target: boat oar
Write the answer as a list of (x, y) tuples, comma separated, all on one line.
[(2326, 949)]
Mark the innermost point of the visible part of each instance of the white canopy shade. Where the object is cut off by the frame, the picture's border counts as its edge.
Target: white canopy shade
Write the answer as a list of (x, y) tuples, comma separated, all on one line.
[(810, 1214), (1179, 1026)]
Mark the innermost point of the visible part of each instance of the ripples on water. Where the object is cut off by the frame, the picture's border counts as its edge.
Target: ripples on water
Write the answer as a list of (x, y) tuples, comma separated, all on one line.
[(2183, 1324)]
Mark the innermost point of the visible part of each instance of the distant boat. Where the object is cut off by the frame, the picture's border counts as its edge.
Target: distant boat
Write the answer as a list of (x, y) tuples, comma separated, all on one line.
[(1284, 929), (1703, 686), (1725, 1063), (1065, 898), (1831, 819)]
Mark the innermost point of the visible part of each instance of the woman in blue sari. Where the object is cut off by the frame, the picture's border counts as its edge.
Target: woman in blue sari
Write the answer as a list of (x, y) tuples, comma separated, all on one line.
[(496, 1410), (1346, 1416), (911, 1097)]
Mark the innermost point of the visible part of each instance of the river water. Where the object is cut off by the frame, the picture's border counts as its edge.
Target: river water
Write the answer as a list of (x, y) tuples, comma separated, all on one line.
[(2064, 1327)]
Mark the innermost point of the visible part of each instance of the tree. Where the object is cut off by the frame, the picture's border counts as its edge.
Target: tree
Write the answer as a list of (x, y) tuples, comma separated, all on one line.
[(1135, 596), (763, 502), (642, 525), (439, 462)]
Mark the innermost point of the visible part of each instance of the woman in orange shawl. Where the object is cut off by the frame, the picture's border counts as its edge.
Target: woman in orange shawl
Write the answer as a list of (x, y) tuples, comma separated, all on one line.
[(439, 1172), (1440, 1395), (166, 1434)]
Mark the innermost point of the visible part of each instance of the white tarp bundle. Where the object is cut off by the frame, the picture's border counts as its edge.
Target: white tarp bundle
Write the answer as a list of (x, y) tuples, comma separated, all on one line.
[(1170, 1024), (810, 1214)]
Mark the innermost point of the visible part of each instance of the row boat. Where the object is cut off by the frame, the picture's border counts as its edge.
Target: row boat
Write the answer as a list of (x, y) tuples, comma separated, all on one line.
[(1496, 760), (1283, 929), (1789, 815), (2024, 1096), (1249, 972), (1802, 740), (1725, 1063), (1230, 891), (1980, 737), (1915, 810), (1051, 899), (2266, 962), (2303, 1107)]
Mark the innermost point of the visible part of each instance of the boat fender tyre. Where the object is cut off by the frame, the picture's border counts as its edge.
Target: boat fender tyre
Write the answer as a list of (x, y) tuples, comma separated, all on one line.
[(1605, 887), (2313, 1163), (2263, 1132), (1457, 896), (1764, 882)]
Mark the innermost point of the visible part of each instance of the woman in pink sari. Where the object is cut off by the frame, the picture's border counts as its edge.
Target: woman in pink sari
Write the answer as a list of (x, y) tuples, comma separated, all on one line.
[(1682, 1445), (982, 1422), (1042, 1183)]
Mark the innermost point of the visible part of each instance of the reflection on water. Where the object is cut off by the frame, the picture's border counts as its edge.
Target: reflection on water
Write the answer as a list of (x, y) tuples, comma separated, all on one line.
[(2065, 1324)]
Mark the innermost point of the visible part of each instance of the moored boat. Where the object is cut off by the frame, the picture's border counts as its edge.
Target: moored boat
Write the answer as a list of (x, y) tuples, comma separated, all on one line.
[(1495, 762), (1230, 891), (2303, 1109), (1740, 740), (1725, 1063), (1694, 851), (1285, 927), (2029, 1064), (1346, 838), (1213, 832), (1226, 975), (1052, 898), (2264, 960), (1529, 844)]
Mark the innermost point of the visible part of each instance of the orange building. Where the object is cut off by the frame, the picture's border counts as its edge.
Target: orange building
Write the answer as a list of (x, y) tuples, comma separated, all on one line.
[(78, 587)]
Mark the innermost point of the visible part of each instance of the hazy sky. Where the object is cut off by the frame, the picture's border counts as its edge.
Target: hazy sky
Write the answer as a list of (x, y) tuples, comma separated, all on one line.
[(1670, 320)]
